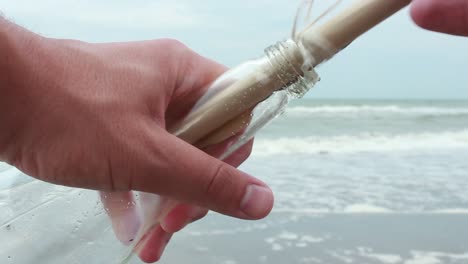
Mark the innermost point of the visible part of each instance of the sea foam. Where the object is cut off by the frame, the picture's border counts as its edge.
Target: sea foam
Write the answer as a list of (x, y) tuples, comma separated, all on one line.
[(366, 142), (383, 109)]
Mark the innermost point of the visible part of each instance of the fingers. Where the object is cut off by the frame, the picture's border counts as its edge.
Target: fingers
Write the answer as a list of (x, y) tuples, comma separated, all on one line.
[(155, 245), (181, 216), (184, 214), (125, 223), (447, 16), (182, 172), (240, 155)]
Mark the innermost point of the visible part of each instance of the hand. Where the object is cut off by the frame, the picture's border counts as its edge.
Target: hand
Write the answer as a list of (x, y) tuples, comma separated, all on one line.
[(94, 116), (447, 16), (124, 215)]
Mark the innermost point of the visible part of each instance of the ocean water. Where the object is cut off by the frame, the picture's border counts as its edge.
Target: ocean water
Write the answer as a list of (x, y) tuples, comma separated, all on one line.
[(355, 181), (341, 156)]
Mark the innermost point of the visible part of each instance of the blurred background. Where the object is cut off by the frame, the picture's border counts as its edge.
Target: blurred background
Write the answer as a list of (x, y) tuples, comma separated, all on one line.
[(394, 60), (370, 167)]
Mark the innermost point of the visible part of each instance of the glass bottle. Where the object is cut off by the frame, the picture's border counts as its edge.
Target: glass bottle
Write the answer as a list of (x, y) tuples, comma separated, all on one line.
[(58, 224)]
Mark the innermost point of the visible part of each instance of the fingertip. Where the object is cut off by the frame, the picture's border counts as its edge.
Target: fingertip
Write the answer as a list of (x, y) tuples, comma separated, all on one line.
[(199, 215), (197, 178), (257, 202), (238, 194), (419, 11), (154, 246), (240, 155), (426, 14), (441, 16), (181, 216)]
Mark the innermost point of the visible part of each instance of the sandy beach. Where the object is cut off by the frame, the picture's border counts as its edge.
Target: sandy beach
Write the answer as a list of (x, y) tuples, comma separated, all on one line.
[(328, 238)]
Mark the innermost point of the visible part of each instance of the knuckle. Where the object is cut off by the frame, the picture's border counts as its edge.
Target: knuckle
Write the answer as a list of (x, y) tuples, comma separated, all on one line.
[(220, 187), (173, 45)]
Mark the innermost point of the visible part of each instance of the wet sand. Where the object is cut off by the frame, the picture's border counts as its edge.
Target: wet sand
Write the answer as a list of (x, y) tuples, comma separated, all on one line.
[(329, 238)]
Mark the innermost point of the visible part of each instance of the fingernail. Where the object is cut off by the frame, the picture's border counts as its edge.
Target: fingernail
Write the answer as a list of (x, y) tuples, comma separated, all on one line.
[(257, 201)]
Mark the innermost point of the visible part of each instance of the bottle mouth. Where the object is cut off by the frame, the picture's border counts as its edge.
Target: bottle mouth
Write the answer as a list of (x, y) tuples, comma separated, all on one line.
[(293, 68)]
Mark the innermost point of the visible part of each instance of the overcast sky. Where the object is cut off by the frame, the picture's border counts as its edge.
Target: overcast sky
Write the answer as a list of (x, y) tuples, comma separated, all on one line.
[(394, 60)]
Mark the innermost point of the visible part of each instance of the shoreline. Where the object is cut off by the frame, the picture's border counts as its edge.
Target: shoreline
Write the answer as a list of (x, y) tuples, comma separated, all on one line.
[(369, 238)]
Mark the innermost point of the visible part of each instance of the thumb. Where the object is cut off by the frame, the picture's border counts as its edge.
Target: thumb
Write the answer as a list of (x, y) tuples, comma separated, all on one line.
[(448, 16), (183, 172)]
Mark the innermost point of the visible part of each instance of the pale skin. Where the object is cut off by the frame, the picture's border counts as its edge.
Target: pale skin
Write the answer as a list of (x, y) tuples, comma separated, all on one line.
[(446, 16), (94, 116)]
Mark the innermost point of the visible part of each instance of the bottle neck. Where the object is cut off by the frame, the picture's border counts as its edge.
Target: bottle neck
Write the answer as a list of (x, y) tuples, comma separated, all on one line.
[(293, 67)]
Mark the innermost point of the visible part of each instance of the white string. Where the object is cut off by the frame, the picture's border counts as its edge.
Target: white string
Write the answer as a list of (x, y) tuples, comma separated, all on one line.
[(308, 5), (297, 36)]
